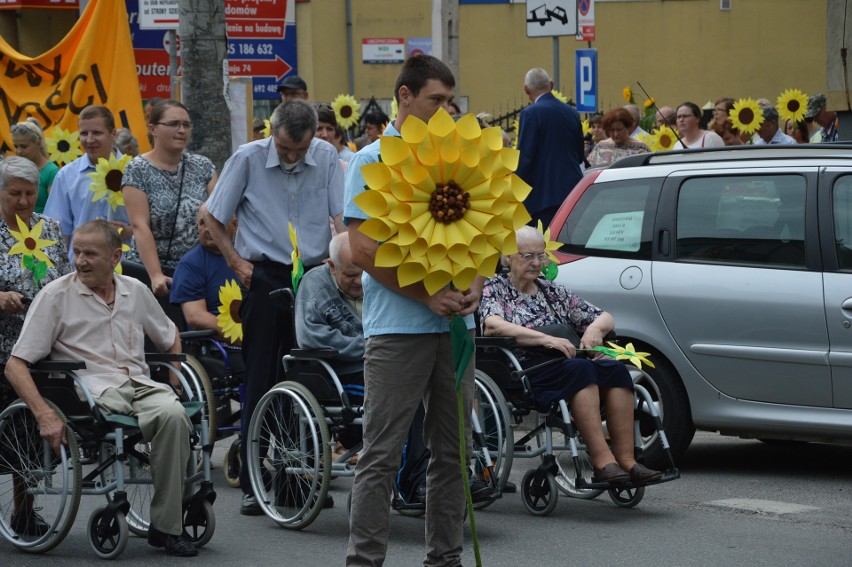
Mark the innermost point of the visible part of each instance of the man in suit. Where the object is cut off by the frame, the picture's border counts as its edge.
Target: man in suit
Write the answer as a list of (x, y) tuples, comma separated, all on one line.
[(551, 144)]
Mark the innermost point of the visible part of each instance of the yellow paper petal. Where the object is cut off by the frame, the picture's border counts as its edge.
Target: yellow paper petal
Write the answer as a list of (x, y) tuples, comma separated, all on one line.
[(390, 254), (395, 151), (492, 139), (376, 175), (409, 231), (519, 188), (413, 130), (412, 270), (468, 127), (441, 124), (487, 263), (510, 157), (375, 203), (378, 228), (484, 222)]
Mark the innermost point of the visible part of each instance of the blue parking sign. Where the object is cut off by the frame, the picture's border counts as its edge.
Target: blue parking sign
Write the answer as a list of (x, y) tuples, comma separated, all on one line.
[(586, 71)]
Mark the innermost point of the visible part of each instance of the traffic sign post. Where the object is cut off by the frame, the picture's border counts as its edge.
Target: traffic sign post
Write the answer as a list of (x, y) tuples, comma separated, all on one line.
[(586, 77)]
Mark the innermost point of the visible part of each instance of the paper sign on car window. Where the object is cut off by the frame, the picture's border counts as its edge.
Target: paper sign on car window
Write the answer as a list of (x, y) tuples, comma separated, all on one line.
[(618, 231)]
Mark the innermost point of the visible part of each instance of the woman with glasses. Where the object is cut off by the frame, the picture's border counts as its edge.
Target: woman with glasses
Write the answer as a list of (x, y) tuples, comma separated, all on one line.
[(163, 191), (691, 135), (513, 305), (29, 143), (721, 108)]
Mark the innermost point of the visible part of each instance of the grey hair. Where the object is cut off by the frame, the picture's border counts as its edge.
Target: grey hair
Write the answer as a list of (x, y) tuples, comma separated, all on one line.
[(16, 167), (297, 117), (336, 245), (537, 79), (525, 234), (634, 112), (126, 142)]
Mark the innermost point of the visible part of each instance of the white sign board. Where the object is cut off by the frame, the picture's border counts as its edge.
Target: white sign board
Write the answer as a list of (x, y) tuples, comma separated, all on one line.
[(383, 50), (547, 18), (618, 231), (158, 14), (585, 20)]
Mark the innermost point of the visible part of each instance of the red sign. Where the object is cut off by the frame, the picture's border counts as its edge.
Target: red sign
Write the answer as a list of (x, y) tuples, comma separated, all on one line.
[(258, 21), (259, 68), (40, 4)]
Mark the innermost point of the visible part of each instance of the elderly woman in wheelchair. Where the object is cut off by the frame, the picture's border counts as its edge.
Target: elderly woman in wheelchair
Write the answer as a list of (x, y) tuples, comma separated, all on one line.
[(514, 305)]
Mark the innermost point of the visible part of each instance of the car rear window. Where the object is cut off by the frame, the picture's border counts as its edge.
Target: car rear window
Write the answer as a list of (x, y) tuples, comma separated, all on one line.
[(752, 220), (610, 220), (842, 204)]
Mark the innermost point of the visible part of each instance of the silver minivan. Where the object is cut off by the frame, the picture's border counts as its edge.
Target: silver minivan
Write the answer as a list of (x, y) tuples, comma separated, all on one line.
[(733, 268)]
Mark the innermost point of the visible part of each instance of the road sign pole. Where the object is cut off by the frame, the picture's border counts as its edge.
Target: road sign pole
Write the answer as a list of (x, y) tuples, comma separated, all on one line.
[(556, 84), (173, 66)]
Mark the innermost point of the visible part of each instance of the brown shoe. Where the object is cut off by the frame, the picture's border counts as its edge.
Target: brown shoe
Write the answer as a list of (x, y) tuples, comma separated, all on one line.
[(640, 473), (611, 473)]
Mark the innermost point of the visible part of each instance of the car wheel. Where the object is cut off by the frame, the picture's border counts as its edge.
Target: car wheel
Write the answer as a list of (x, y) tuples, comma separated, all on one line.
[(677, 416)]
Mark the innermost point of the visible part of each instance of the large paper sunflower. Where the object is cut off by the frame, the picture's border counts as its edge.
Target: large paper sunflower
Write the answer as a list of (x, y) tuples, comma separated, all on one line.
[(746, 115), (29, 243), (63, 146), (559, 96), (792, 105), (663, 139), (347, 110), (230, 297), (444, 201), (106, 180)]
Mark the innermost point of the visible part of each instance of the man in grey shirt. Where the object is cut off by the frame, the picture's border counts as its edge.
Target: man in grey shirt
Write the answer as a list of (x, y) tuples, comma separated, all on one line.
[(289, 177)]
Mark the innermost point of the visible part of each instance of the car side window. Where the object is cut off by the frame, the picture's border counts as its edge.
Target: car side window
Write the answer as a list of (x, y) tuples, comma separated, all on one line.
[(611, 219), (750, 220), (841, 200)]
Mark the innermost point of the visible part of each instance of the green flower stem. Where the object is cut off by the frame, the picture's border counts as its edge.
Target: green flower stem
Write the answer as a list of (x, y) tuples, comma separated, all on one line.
[(465, 473)]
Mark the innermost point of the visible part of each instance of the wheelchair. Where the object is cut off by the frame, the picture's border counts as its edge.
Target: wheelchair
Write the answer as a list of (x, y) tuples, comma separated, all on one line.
[(32, 475), (290, 441), (565, 464)]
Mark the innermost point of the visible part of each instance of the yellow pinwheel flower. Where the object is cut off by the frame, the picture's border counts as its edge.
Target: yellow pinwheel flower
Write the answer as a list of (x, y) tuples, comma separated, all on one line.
[(29, 242), (267, 128), (587, 128), (746, 115), (630, 354), (394, 109), (124, 248), (559, 96), (295, 255), (516, 126), (347, 110), (663, 139), (444, 201), (63, 146), (230, 297), (792, 105), (549, 245), (627, 93), (106, 180)]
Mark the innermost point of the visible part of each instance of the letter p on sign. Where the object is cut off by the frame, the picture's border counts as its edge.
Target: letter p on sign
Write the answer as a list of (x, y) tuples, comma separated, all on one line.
[(586, 70)]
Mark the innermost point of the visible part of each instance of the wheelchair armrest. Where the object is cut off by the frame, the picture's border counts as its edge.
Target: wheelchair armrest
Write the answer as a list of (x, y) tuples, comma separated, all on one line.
[(505, 342), (325, 353), (202, 334), (57, 365), (165, 357)]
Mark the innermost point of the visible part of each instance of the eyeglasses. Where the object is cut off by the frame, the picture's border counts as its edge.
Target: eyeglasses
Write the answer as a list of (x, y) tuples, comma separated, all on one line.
[(176, 124), (720, 110), (529, 257)]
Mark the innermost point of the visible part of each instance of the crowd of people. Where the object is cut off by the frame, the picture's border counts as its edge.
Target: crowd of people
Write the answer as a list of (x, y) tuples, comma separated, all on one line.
[(191, 230)]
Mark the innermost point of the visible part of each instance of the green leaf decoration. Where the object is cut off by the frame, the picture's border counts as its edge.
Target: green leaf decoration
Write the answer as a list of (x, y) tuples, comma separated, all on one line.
[(550, 270), (39, 271), (29, 263)]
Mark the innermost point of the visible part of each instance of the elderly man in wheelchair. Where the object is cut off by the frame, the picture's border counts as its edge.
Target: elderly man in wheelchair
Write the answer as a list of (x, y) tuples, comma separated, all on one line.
[(102, 318), (520, 302)]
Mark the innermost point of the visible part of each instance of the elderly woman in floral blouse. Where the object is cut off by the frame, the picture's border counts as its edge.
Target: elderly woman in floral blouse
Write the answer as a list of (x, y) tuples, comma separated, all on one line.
[(513, 304), (18, 193)]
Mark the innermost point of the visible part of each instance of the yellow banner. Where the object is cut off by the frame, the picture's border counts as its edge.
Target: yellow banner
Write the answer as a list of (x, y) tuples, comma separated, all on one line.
[(93, 64)]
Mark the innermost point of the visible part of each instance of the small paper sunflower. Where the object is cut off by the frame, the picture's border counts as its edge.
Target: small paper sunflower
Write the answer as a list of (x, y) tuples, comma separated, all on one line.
[(559, 96), (63, 146), (628, 353), (347, 110), (627, 93), (587, 128), (549, 245), (230, 297), (746, 115), (106, 180), (267, 128), (29, 243), (663, 139), (649, 102), (792, 105), (295, 258)]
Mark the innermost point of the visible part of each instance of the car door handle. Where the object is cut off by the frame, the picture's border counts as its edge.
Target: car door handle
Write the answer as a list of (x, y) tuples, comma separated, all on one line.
[(847, 304), (664, 245)]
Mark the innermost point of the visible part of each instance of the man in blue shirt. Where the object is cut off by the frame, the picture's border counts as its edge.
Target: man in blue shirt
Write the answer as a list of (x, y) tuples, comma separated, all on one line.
[(408, 358), (551, 144), (289, 177), (70, 201)]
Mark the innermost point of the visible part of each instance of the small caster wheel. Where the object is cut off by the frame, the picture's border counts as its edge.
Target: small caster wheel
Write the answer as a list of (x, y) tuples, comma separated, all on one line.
[(233, 463), (539, 492), (199, 524), (627, 497), (108, 539)]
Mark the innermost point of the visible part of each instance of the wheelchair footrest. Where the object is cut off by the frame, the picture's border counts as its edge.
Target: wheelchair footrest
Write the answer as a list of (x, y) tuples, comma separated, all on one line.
[(668, 476)]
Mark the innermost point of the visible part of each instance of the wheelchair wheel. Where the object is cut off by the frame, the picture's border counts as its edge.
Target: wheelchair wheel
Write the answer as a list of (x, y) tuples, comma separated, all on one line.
[(107, 539), (647, 429), (139, 483), (566, 478), (496, 422), (289, 455), (207, 394), (627, 497), (233, 464), (539, 492), (199, 524), (36, 485)]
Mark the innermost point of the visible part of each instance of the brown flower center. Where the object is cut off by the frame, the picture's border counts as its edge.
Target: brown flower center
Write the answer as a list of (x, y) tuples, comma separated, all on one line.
[(665, 141), (63, 146), (449, 202), (746, 116), (235, 310), (793, 105), (113, 180), (346, 111), (30, 243)]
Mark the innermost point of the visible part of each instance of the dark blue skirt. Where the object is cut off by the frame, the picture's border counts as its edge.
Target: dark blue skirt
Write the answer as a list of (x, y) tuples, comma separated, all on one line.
[(561, 380)]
